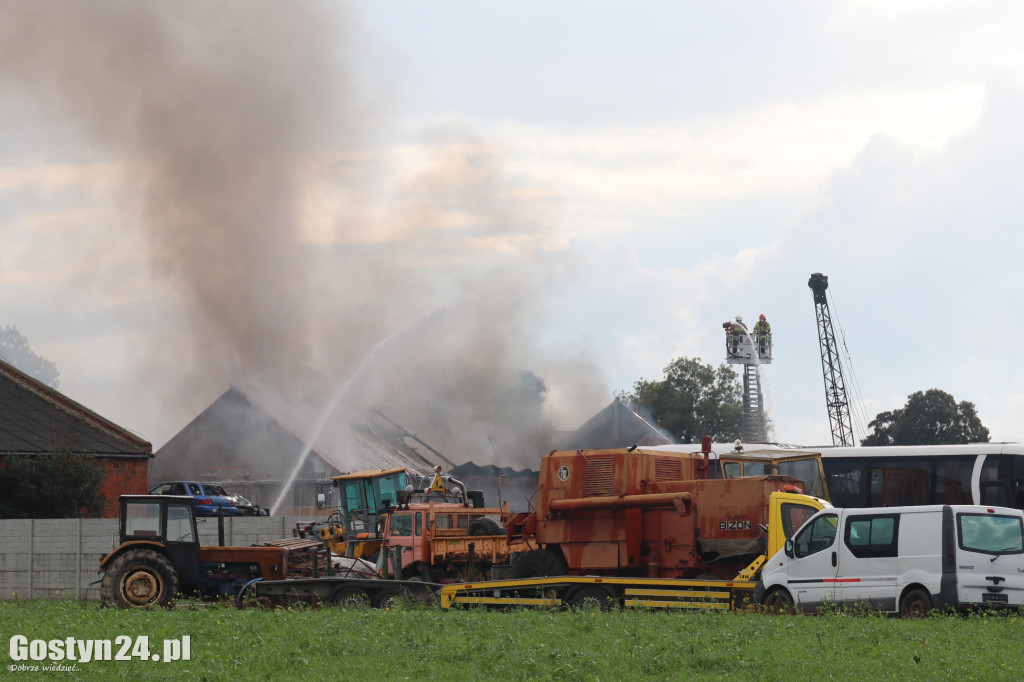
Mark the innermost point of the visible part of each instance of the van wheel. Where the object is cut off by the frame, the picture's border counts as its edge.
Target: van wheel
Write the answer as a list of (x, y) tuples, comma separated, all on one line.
[(778, 601), (915, 604)]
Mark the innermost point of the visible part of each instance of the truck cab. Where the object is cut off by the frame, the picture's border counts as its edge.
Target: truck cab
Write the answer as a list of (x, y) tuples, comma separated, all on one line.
[(434, 538)]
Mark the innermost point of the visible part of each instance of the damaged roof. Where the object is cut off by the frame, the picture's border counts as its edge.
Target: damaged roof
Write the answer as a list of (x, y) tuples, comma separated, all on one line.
[(235, 438), (616, 426), (37, 419)]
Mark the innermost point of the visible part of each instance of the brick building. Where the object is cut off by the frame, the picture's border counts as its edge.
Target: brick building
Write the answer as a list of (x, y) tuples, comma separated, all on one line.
[(38, 420)]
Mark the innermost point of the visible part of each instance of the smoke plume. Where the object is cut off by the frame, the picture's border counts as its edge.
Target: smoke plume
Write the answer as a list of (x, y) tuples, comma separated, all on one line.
[(292, 244)]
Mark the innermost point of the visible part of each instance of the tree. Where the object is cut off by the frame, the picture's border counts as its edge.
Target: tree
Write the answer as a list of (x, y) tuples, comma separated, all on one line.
[(692, 401), (14, 350), (53, 486), (932, 417)]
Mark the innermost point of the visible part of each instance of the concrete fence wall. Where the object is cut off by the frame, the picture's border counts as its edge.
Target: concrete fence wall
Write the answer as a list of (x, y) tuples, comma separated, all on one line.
[(58, 557)]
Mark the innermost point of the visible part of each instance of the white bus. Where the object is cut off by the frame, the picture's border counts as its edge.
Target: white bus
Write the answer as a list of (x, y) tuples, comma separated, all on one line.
[(976, 473)]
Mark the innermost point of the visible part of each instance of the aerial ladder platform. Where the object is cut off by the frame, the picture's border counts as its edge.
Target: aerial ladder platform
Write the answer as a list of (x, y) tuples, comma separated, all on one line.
[(750, 350)]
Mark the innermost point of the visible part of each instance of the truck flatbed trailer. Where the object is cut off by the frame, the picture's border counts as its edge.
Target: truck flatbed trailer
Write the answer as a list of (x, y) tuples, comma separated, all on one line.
[(337, 591), (603, 592)]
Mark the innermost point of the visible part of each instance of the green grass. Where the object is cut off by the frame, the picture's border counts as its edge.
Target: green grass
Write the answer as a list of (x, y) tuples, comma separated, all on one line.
[(426, 644)]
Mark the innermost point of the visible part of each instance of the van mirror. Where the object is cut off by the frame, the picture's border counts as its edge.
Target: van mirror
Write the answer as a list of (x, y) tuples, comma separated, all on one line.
[(321, 501), (788, 549)]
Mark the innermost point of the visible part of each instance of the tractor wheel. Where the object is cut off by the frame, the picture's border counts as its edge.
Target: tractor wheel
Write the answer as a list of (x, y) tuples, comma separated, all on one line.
[(778, 601), (139, 578), (915, 604), (591, 598), (485, 526), (539, 563), (350, 597), (387, 599)]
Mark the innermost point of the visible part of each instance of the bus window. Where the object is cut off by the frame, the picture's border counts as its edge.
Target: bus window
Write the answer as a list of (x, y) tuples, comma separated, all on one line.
[(847, 482), (1002, 481), (953, 481)]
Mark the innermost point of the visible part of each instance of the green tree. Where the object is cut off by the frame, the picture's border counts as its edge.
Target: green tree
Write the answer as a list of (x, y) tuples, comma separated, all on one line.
[(931, 417), (14, 350), (54, 486), (692, 401)]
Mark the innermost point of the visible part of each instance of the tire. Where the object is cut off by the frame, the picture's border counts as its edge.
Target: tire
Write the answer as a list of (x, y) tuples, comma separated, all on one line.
[(139, 578), (539, 563), (591, 598), (485, 526), (779, 601), (915, 604), (387, 599), (350, 597)]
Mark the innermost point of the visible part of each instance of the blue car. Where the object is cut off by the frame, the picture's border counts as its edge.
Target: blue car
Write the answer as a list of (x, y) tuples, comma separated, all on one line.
[(207, 497)]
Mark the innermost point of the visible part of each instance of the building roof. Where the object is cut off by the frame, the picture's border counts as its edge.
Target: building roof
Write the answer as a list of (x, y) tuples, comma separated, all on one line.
[(616, 426), (37, 419), (236, 439)]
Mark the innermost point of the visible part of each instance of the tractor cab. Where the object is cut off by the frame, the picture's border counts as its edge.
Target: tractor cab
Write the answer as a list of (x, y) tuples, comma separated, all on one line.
[(163, 522), (365, 494)]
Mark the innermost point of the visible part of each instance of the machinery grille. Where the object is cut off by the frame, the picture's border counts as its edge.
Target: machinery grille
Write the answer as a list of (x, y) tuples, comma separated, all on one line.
[(666, 469), (600, 476)]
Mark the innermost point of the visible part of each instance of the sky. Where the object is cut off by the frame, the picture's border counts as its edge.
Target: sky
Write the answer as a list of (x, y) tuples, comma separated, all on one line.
[(487, 219)]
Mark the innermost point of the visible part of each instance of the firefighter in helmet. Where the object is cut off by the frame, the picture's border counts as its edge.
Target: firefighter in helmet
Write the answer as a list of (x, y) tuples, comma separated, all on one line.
[(736, 333), (762, 332)]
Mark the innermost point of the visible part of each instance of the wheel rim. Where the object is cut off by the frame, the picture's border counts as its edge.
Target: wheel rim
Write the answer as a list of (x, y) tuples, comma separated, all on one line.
[(141, 587), (351, 599)]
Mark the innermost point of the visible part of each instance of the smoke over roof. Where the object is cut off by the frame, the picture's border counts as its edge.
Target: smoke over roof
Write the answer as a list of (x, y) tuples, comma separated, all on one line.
[(285, 246)]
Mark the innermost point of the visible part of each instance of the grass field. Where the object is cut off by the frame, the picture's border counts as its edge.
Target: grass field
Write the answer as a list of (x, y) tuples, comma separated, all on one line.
[(430, 644)]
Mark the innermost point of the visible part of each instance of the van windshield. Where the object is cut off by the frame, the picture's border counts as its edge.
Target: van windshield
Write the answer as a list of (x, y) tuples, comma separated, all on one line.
[(990, 533)]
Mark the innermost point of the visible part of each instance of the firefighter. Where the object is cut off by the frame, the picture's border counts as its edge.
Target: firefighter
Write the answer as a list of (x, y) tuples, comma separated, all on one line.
[(736, 332), (762, 331)]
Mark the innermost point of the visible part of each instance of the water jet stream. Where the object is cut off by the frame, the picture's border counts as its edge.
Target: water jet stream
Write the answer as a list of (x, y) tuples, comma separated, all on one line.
[(332, 405)]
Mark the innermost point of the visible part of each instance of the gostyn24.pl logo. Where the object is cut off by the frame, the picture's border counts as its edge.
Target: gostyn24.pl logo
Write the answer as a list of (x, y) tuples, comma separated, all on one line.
[(72, 651)]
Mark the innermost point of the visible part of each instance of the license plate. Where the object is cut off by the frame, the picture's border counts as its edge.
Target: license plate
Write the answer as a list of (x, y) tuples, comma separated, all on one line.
[(991, 597)]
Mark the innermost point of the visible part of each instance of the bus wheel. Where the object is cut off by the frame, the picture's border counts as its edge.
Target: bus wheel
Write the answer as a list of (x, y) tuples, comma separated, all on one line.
[(915, 604)]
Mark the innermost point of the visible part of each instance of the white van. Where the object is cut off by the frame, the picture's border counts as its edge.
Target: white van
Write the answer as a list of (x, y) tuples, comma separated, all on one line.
[(905, 559)]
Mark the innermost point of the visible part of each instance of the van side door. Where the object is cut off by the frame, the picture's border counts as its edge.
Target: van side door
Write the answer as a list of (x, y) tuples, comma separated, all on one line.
[(813, 568), (869, 560)]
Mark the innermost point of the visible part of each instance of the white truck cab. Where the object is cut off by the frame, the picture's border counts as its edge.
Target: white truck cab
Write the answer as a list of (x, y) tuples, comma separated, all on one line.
[(900, 559)]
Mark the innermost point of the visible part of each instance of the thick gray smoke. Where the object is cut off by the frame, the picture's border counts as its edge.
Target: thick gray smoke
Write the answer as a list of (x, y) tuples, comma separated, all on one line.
[(240, 116)]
